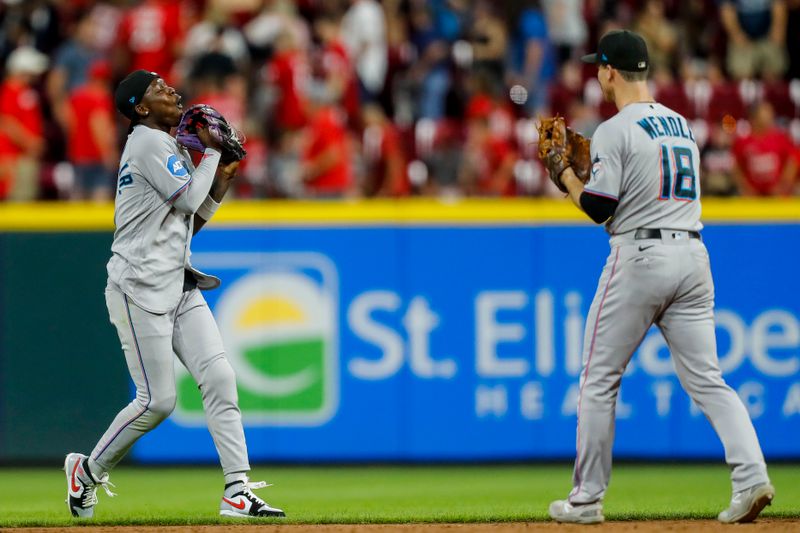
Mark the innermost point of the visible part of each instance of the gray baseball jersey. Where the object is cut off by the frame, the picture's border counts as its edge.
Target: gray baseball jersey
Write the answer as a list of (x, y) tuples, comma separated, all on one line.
[(154, 219), (640, 142), (646, 158), (156, 316)]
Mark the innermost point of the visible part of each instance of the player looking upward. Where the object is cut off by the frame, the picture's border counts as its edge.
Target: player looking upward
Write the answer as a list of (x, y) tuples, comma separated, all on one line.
[(645, 186), (154, 300)]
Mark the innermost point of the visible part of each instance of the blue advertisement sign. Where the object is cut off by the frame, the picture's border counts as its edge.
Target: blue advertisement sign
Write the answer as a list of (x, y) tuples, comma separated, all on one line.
[(464, 343)]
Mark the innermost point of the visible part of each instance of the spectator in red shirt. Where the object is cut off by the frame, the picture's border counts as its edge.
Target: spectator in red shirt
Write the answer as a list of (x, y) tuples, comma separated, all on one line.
[(567, 89), (489, 102), (326, 155), (337, 67), (384, 157), (91, 137), (150, 37), (765, 165), (217, 83), (21, 125), (489, 158), (287, 73), (794, 178)]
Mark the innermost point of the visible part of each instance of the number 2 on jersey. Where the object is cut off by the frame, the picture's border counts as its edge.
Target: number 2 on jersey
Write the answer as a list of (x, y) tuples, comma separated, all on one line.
[(680, 167)]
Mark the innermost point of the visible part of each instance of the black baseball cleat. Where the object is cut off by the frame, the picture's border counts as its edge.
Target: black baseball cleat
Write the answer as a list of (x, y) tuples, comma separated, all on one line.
[(82, 486), (238, 501)]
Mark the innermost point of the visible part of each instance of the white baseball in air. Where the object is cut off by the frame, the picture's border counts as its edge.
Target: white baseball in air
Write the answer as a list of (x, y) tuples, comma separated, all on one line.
[(518, 94)]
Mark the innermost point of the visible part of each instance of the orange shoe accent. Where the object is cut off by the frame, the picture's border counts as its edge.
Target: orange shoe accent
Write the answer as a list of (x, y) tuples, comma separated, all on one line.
[(75, 488), (238, 505)]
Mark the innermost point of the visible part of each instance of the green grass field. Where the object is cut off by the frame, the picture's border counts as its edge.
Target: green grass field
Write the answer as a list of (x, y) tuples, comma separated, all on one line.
[(34, 497)]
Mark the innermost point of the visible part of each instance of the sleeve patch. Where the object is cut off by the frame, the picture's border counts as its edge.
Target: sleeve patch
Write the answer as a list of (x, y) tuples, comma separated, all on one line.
[(176, 166), (597, 165)]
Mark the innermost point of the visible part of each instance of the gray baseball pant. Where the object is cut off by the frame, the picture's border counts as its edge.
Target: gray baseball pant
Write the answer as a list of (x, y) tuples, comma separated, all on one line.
[(149, 342), (668, 282)]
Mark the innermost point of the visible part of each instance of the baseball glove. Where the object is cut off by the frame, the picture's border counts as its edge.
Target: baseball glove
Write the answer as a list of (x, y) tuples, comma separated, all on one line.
[(205, 116), (578, 154), (560, 147)]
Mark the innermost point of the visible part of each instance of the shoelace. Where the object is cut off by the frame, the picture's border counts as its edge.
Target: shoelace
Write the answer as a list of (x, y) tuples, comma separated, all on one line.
[(90, 492), (249, 486)]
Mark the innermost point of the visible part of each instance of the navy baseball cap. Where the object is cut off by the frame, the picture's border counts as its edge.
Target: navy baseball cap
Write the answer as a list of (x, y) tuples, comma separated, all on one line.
[(130, 91), (621, 49)]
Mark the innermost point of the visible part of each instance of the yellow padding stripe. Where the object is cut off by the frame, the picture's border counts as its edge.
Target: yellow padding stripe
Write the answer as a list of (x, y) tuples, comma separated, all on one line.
[(418, 211)]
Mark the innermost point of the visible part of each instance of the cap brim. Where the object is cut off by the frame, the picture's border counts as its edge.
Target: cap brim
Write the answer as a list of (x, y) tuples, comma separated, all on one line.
[(591, 58)]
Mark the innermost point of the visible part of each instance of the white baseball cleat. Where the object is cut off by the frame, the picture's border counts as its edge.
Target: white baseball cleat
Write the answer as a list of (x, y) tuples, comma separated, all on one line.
[(747, 504), (82, 486), (238, 501), (590, 513)]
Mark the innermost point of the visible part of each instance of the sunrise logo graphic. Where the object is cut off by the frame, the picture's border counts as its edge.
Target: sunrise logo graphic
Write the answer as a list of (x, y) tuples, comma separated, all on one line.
[(280, 333)]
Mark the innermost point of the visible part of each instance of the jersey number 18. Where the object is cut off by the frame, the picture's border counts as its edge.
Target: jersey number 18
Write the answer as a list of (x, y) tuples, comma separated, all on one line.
[(680, 167)]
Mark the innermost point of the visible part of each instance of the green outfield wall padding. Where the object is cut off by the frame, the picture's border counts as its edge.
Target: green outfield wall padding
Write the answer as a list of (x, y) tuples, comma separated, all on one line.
[(62, 373)]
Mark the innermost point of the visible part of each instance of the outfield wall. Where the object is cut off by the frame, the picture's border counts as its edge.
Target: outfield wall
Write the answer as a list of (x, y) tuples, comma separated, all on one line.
[(411, 330)]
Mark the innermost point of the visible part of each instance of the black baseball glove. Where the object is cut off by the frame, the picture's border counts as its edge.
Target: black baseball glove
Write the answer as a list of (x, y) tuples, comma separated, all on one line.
[(205, 116)]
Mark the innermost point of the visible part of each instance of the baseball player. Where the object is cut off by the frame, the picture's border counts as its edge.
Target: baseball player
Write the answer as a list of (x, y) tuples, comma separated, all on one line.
[(154, 300), (645, 186)]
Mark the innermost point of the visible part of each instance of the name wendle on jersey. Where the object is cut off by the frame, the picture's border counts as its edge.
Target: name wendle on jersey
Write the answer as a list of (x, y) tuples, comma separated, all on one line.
[(660, 126)]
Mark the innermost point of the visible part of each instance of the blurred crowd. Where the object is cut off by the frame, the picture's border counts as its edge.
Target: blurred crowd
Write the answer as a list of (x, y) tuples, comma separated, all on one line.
[(364, 98)]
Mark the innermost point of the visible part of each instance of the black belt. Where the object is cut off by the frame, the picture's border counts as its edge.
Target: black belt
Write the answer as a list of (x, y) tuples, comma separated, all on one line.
[(189, 281), (652, 233)]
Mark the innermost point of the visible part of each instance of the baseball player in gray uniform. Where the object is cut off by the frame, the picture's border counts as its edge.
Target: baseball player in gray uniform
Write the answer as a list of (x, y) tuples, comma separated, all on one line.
[(154, 300), (645, 187)]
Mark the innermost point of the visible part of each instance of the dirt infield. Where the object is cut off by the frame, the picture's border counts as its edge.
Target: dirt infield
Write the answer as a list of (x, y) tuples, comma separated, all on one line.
[(515, 527)]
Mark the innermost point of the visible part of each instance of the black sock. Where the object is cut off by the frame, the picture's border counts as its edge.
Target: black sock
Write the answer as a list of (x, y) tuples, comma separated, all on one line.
[(86, 469)]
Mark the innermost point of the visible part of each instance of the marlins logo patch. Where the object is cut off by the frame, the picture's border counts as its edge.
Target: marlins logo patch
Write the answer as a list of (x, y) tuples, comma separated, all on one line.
[(597, 165), (176, 167)]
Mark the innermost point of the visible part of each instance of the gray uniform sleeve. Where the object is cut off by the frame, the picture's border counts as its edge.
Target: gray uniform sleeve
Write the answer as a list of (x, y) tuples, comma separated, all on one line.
[(606, 151), (170, 174)]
